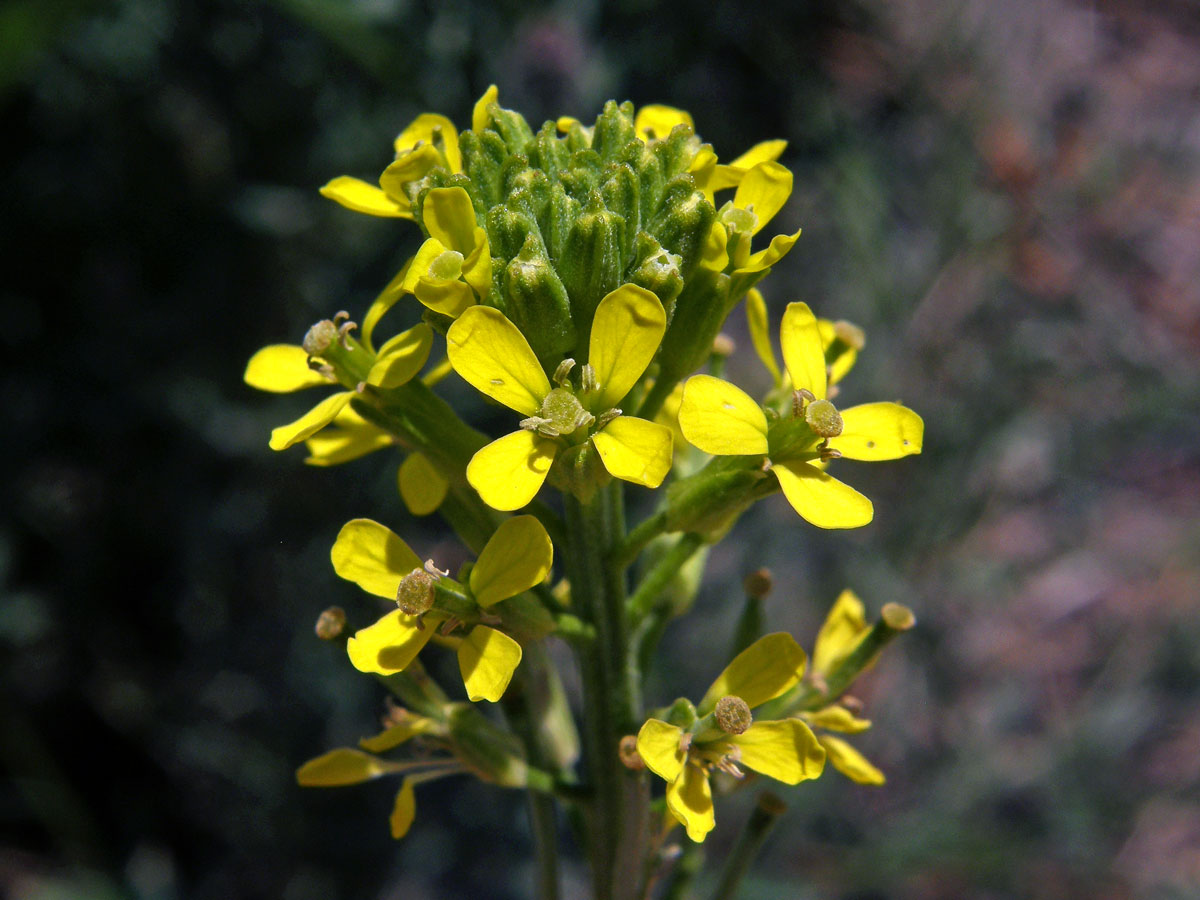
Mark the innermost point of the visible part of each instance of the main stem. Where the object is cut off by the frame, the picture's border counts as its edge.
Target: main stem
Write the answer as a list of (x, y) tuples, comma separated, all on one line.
[(611, 692)]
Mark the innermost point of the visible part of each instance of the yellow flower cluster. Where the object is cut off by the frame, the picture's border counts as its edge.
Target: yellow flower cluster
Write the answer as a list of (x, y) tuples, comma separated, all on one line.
[(579, 275)]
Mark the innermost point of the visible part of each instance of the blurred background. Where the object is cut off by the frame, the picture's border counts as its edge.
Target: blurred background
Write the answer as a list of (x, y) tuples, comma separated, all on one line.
[(1005, 196)]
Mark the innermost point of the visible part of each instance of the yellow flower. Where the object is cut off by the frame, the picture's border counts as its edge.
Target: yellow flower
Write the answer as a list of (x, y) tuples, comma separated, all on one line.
[(346, 766), (844, 628), (492, 355), (517, 557), (454, 266), (762, 190), (722, 736), (840, 341), (283, 368), (723, 420)]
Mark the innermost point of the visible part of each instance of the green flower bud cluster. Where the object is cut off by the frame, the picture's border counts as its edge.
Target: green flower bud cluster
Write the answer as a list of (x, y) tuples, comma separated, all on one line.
[(569, 218)]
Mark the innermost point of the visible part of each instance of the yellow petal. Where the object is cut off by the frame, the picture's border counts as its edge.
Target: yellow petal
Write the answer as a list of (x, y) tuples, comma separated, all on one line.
[(422, 487), (844, 626), (760, 337), (393, 737), (343, 766), (480, 115), (410, 166), (426, 127), (787, 750), (658, 746), (401, 357), (835, 718), (689, 798), (721, 419), (764, 259), (764, 190), (359, 196), (766, 151), (450, 218), (311, 422), (347, 438), (628, 327), (386, 300), (655, 121), (761, 672), (509, 471), (487, 659), (404, 810), (636, 450), (820, 499), (477, 268), (515, 558), (450, 298), (420, 265), (850, 762), (803, 354), (875, 431), (713, 252), (373, 557), (388, 646), (281, 369), (490, 353)]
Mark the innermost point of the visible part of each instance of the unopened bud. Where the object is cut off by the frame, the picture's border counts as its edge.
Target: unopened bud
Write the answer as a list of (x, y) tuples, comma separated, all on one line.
[(732, 715), (415, 594), (758, 584), (331, 623), (320, 337), (823, 418)]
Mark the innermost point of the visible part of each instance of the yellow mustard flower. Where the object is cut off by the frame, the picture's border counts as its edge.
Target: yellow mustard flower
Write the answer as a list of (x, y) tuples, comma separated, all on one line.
[(283, 368), (429, 141), (843, 629), (347, 765), (722, 736), (724, 420), (492, 355), (762, 191), (453, 268), (517, 557)]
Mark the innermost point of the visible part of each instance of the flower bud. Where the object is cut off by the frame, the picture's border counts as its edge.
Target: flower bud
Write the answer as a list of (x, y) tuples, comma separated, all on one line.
[(537, 302), (331, 623), (592, 261), (483, 155), (732, 715), (683, 221), (657, 271), (614, 129), (415, 594)]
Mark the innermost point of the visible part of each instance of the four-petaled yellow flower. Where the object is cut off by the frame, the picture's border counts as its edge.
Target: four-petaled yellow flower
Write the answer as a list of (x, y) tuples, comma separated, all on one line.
[(516, 558), (430, 141), (724, 420), (723, 737), (492, 355)]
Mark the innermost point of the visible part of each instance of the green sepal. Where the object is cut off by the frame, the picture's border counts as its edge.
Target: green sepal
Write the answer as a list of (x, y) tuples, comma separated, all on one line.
[(548, 152), (512, 127), (524, 617), (537, 302), (508, 229), (651, 181), (657, 270), (532, 185), (577, 138), (683, 222), (483, 156), (677, 150), (681, 713), (561, 213), (582, 176), (579, 471), (613, 130), (592, 262), (620, 192)]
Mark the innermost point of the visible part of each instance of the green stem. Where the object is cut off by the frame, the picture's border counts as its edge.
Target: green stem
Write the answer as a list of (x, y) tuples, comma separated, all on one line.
[(611, 692), (635, 542), (655, 581), (543, 823), (766, 813)]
